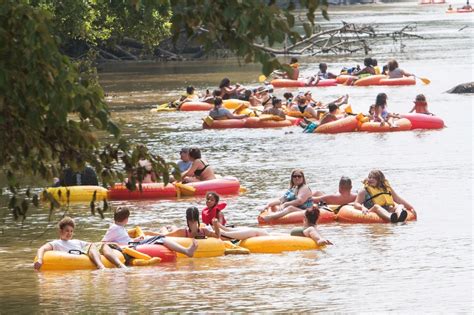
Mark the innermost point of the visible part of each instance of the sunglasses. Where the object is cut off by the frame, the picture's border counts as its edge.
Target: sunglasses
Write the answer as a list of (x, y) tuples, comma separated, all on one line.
[(297, 176)]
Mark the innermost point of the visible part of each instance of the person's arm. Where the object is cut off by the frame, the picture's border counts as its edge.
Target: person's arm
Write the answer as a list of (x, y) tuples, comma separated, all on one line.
[(304, 193), (180, 232), (215, 234), (190, 171), (312, 232), (398, 199), (414, 107), (359, 202), (406, 73), (40, 254), (232, 116), (216, 227)]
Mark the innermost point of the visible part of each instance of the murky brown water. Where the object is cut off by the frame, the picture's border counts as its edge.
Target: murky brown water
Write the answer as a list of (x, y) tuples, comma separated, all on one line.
[(425, 266)]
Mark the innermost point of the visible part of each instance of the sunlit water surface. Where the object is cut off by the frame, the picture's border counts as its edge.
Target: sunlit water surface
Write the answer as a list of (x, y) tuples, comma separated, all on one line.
[(423, 266)]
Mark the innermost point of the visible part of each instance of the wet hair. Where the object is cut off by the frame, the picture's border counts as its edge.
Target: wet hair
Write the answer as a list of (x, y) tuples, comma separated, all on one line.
[(213, 194), (374, 62), (420, 98), (216, 93), (195, 153), (301, 100), (345, 182), (217, 101), (381, 99), (323, 65), (392, 65), (66, 221), (332, 108), (380, 177), (293, 60), (297, 170), (192, 214), (371, 108), (224, 83), (368, 62), (248, 93), (121, 213), (287, 95), (384, 69), (312, 215), (275, 101), (190, 89)]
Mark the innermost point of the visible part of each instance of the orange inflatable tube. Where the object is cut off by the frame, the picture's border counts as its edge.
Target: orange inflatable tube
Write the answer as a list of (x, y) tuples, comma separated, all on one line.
[(251, 122), (195, 106), (348, 214), (341, 79), (399, 81), (346, 124), (297, 217), (370, 80), (403, 125)]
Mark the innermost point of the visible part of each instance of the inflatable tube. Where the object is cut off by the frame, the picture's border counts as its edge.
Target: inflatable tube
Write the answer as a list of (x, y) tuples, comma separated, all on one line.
[(341, 79), (370, 80), (209, 247), (348, 214), (346, 124), (149, 191), (459, 11), (297, 217), (58, 260), (77, 193), (279, 83), (403, 125), (251, 122), (423, 121), (195, 106), (156, 250), (278, 243), (223, 186), (399, 81), (232, 249), (234, 103)]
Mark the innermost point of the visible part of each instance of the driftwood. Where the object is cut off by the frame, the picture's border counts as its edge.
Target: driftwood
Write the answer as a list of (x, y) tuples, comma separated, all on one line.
[(348, 38)]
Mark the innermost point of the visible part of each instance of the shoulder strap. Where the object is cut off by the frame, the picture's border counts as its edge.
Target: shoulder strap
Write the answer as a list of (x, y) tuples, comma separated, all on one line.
[(376, 195)]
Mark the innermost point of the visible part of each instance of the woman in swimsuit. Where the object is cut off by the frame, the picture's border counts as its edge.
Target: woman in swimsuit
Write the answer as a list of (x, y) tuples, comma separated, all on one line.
[(309, 228), (199, 170), (297, 198), (193, 229)]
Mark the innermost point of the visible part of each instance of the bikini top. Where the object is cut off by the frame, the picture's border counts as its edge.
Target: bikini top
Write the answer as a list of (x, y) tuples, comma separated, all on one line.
[(199, 172)]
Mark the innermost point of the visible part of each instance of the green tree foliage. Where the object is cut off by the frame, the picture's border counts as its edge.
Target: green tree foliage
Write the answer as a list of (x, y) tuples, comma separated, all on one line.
[(99, 22), (244, 26), (52, 111)]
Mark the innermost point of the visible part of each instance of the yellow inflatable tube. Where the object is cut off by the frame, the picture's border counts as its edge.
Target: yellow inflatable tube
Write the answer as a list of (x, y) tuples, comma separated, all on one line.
[(278, 243), (209, 247), (77, 193), (57, 260)]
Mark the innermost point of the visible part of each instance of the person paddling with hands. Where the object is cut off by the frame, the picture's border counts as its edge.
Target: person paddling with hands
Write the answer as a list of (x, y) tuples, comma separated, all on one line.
[(67, 244), (309, 228)]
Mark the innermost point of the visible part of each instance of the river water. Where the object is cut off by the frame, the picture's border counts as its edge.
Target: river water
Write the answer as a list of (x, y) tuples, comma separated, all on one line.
[(423, 266)]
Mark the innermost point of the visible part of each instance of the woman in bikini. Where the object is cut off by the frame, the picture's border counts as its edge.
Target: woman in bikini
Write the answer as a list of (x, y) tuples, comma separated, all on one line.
[(193, 229), (200, 170)]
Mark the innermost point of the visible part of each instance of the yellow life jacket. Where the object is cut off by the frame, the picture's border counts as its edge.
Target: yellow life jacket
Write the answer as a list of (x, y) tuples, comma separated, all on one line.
[(379, 196), (294, 65)]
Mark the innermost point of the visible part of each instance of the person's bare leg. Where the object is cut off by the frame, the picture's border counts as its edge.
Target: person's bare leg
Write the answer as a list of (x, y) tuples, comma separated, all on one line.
[(109, 254), (95, 257), (189, 251)]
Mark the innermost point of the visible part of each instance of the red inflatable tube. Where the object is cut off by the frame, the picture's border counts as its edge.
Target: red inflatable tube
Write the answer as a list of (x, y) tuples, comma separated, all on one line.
[(279, 83), (348, 214), (251, 122), (399, 81), (149, 191), (347, 124), (155, 250), (297, 217), (423, 121), (222, 186), (403, 125), (195, 106)]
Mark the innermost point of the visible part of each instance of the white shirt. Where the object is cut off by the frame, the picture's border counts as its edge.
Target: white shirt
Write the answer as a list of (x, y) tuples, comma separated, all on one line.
[(66, 246), (116, 234)]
